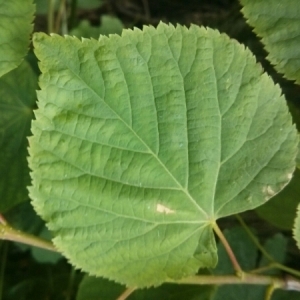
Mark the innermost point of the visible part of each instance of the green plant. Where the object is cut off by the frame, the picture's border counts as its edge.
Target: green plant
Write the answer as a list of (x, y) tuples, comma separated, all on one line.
[(141, 142)]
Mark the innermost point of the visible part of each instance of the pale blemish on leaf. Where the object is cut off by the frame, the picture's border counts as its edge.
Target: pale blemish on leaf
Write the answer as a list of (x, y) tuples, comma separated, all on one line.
[(268, 191), (163, 209)]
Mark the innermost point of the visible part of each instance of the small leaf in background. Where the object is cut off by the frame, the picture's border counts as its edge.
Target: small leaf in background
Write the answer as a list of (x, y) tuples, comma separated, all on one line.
[(280, 211), (276, 247), (15, 28), (285, 295), (93, 288), (42, 255), (296, 229), (17, 100), (277, 23), (29, 280), (109, 25), (175, 292), (24, 218), (141, 142)]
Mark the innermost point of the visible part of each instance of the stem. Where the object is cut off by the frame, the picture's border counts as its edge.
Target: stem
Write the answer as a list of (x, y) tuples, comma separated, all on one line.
[(61, 17), (50, 16), (289, 283), (11, 234), (269, 292), (286, 269), (126, 293), (235, 264), (262, 269)]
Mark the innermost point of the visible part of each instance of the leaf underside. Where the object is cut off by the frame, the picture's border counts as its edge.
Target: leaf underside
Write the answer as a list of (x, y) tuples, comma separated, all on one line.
[(277, 23), (142, 141), (15, 28)]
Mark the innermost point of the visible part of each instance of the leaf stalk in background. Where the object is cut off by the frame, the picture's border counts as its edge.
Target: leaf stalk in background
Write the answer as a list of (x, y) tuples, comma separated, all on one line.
[(50, 16), (11, 234), (61, 19), (269, 292), (126, 293), (289, 283)]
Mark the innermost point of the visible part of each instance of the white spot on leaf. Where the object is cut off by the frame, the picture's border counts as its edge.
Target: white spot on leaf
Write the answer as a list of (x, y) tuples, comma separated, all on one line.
[(163, 209), (268, 191)]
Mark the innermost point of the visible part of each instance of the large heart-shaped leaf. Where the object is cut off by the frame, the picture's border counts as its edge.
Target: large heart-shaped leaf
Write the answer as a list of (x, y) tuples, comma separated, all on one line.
[(142, 142)]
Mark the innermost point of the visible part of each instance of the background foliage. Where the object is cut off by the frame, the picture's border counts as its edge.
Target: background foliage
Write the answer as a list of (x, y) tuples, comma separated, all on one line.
[(27, 273)]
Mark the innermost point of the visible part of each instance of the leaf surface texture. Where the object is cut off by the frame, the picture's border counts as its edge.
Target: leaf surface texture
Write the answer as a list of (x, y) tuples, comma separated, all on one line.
[(141, 142)]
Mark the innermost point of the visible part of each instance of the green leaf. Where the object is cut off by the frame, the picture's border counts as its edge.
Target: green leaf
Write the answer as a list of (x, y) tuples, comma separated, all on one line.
[(109, 25), (175, 292), (17, 99), (241, 291), (285, 202), (15, 29), (277, 23), (93, 288), (296, 229), (42, 255), (142, 141), (276, 247), (284, 295), (23, 217)]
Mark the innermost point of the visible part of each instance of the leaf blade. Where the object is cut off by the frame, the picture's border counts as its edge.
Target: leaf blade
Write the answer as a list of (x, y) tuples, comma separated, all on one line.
[(145, 133)]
